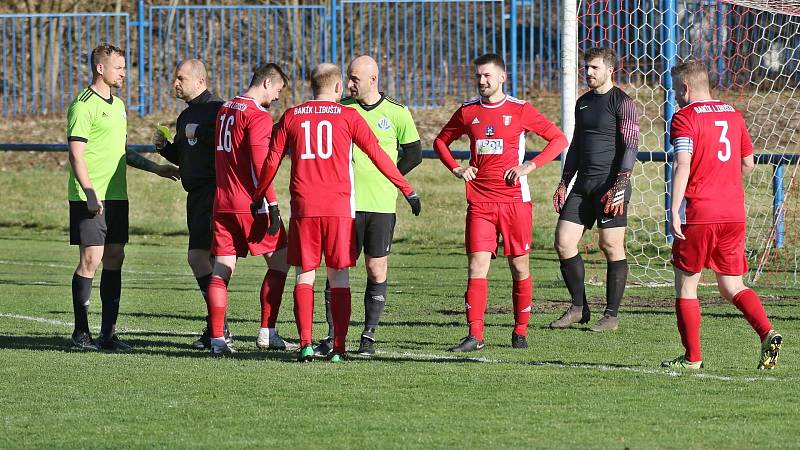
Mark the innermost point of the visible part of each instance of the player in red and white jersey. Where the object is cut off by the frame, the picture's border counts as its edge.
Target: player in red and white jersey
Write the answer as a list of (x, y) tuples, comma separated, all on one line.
[(243, 130), (320, 134), (498, 196), (712, 150)]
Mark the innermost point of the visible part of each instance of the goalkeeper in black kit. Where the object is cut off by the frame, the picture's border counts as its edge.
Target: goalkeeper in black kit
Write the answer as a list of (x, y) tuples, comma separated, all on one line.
[(601, 155)]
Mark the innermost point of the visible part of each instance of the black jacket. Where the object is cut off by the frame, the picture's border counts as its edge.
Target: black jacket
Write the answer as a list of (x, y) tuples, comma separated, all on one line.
[(195, 156)]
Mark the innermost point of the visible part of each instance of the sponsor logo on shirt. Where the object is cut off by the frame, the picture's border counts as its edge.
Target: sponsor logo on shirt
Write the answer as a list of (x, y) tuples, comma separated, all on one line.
[(489, 131), (489, 146), (384, 124), (104, 114), (475, 121), (506, 120)]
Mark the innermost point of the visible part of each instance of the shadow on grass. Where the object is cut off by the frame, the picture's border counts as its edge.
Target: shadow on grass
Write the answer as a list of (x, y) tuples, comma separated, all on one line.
[(731, 315), (57, 343)]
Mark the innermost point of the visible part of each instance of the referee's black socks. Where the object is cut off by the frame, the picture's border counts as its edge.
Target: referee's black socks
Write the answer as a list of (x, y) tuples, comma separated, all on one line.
[(574, 274), (374, 302), (616, 277), (110, 291), (81, 292)]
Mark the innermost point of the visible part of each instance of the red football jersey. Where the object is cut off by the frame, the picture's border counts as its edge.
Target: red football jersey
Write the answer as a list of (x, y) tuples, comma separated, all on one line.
[(497, 143), (243, 131), (320, 135), (715, 192)]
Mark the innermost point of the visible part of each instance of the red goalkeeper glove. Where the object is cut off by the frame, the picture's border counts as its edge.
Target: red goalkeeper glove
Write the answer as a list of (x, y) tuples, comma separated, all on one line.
[(560, 197), (614, 199)]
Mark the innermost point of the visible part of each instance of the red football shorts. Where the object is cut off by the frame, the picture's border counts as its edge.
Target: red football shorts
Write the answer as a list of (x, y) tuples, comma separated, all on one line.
[(486, 222), (238, 233), (312, 237), (720, 247)]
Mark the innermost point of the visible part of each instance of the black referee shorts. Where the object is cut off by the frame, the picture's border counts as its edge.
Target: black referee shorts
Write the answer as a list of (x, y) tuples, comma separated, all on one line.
[(89, 229), (583, 205), (374, 233), (199, 210)]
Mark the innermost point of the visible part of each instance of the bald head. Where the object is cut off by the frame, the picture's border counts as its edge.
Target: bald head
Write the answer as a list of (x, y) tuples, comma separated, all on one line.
[(326, 78), (190, 79), (362, 79)]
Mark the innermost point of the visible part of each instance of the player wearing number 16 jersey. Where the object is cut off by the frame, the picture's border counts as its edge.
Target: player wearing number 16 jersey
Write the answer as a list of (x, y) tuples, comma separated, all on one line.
[(320, 134), (243, 129), (498, 197), (712, 151)]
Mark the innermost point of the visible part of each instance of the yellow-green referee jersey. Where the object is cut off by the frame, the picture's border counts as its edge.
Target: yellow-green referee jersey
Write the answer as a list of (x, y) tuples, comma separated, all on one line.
[(391, 122), (103, 125)]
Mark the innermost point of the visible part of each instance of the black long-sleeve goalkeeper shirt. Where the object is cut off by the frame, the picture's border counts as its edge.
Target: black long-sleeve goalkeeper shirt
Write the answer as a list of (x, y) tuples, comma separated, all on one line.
[(606, 137)]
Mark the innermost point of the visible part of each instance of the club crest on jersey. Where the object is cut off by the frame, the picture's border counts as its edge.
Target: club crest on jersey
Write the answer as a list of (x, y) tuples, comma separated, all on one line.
[(191, 133), (506, 120), (489, 131), (384, 124)]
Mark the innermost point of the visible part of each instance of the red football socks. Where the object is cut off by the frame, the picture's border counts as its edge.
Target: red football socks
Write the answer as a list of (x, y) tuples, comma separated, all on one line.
[(687, 311), (749, 304), (475, 298), (522, 294), (304, 311), (340, 310), (271, 294), (217, 303)]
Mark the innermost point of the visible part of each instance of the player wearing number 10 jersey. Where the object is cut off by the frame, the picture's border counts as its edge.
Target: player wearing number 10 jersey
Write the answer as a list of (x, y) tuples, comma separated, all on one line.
[(243, 129), (320, 134), (712, 151)]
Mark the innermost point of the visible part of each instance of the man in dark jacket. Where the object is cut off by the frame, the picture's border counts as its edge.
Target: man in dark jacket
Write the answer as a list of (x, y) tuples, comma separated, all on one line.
[(193, 151)]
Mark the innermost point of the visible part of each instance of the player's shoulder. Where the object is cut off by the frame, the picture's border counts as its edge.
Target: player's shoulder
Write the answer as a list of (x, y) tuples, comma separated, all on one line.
[(474, 101), (620, 93), (348, 101), (516, 101), (394, 102)]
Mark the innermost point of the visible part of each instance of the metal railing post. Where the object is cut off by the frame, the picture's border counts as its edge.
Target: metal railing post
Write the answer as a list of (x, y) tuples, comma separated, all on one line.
[(141, 24), (669, 50), (777, 203)]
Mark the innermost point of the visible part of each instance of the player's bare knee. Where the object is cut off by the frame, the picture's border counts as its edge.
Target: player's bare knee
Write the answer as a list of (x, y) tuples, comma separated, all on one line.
[(377, 269), (729, 287), (613, 251)]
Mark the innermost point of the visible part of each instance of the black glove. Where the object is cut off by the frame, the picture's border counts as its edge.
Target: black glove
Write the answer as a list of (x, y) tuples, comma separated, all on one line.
[(274, 220), (416, 204), (256, 205)]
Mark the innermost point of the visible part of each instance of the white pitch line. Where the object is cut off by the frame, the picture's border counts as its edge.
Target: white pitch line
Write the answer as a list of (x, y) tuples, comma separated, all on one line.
[(424, 356), (67, 266), (599, 367), (72, 324)]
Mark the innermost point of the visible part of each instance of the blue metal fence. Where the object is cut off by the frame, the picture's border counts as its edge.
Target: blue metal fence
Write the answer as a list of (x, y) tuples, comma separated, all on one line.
[(424, 46), (233, 40), (44, 57)]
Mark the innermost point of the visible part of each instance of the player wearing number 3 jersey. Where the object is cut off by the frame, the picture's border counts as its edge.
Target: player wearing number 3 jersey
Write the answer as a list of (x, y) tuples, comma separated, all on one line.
[(712, 150), (320, 134)]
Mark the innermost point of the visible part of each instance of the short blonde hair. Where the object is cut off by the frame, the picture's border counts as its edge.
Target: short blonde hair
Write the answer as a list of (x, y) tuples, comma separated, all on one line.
[(101, 53), (324, 76), (692, 72)]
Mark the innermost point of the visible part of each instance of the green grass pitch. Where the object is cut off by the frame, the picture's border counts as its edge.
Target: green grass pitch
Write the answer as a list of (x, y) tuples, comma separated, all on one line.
[(571, 389)]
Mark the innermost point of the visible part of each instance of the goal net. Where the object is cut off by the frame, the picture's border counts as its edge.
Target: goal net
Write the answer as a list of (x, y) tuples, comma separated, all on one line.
[(753, 52)]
